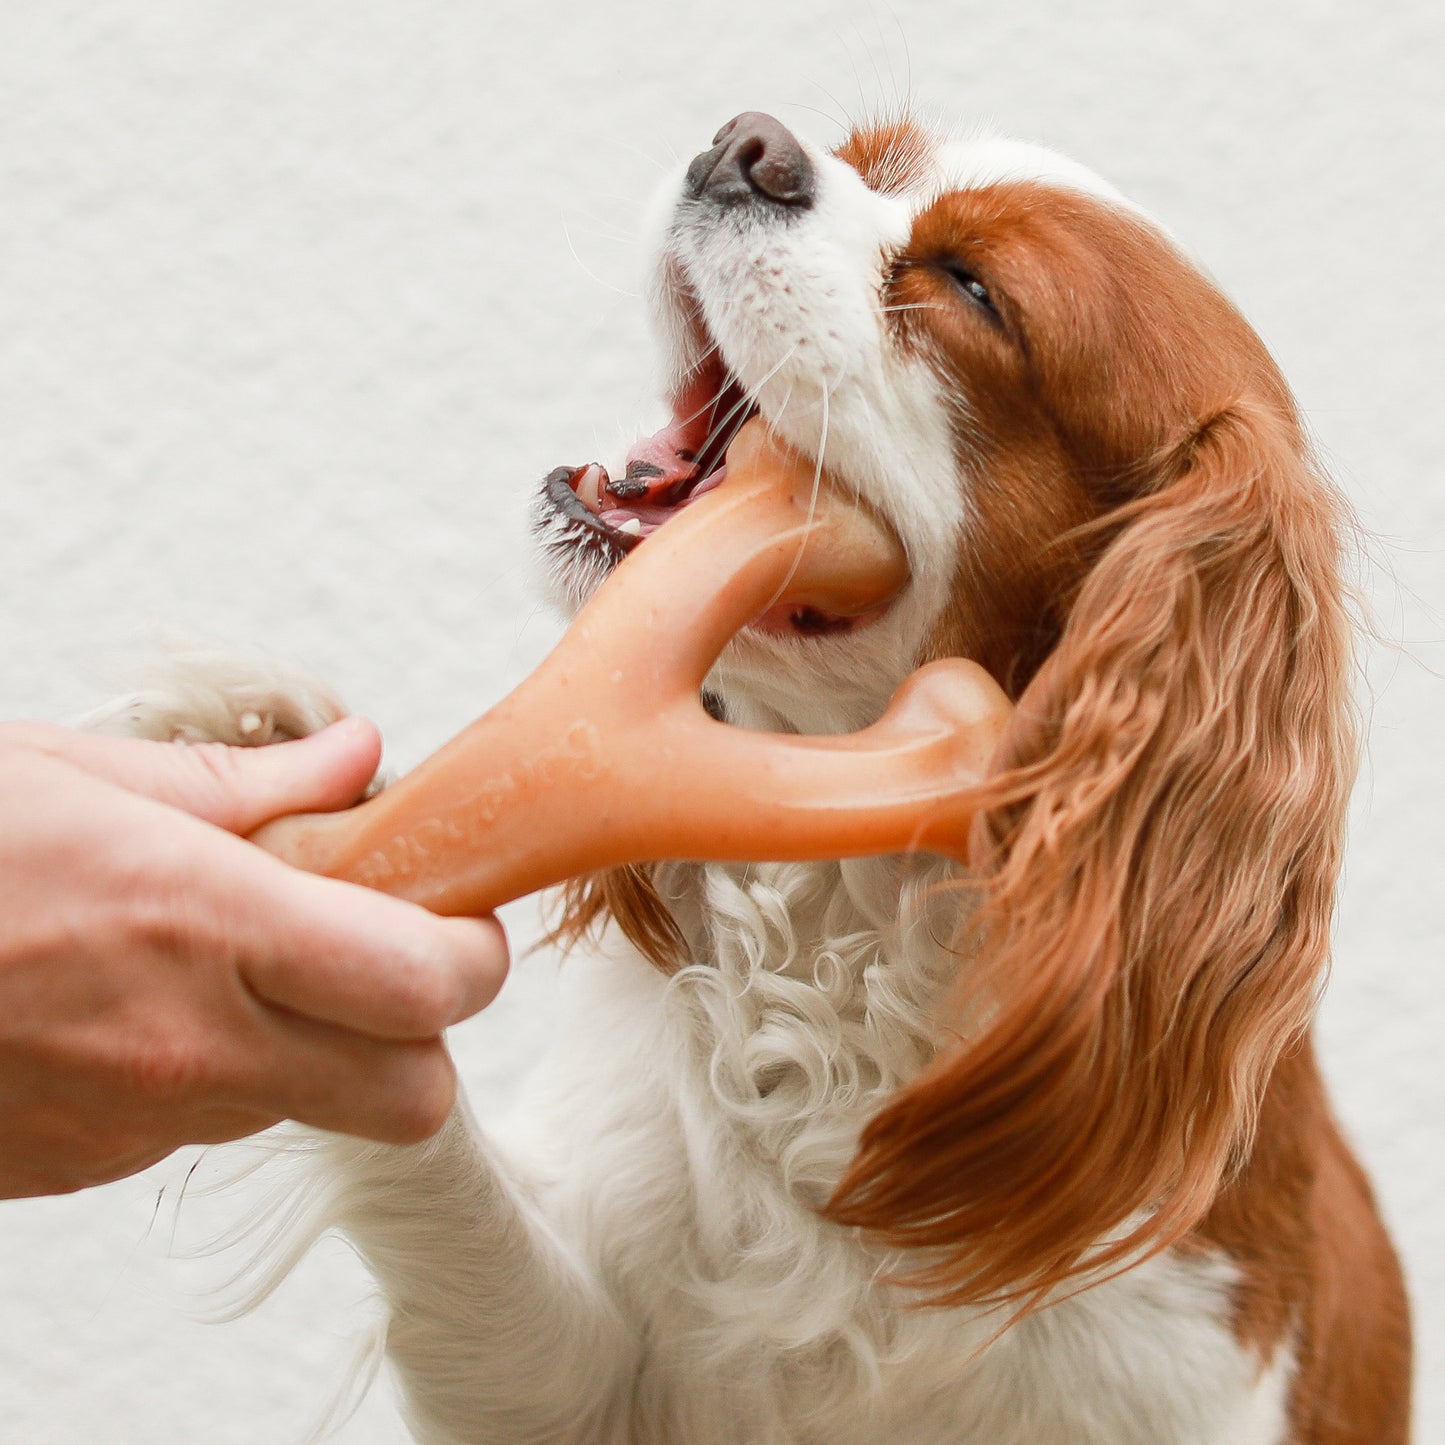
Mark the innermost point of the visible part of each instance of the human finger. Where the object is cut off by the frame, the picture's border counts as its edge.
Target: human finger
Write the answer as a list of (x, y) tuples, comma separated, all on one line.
[(237, 789), (341, 954), (410, 978), (394, 1092)]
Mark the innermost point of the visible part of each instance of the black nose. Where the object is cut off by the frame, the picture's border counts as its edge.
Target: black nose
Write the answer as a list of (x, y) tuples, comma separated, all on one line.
[(754, 156)]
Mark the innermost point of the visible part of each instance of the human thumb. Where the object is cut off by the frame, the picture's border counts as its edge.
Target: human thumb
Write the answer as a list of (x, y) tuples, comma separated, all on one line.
[(238, 789)]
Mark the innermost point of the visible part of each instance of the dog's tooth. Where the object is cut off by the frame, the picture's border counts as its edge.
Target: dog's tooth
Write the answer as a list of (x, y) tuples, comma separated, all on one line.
[(632, 526), (589, 487)]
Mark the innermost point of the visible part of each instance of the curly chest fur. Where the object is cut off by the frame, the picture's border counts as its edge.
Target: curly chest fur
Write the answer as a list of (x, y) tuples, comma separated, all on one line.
[(690, 1127)]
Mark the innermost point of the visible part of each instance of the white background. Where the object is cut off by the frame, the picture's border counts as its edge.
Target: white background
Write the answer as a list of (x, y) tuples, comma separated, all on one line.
[(298, 300)]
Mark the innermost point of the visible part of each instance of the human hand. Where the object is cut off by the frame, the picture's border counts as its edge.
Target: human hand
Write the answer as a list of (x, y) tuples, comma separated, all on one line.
[(164, 982)]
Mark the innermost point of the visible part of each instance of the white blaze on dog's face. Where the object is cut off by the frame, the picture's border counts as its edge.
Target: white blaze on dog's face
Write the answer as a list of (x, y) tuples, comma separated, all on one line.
[(921, 315)]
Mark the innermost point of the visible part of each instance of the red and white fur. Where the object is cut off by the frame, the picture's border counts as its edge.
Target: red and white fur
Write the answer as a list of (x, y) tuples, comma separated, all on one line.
[(885, 1152)]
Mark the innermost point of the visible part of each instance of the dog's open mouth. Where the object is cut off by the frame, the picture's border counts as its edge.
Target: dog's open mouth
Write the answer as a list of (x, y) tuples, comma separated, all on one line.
[(667, 471)]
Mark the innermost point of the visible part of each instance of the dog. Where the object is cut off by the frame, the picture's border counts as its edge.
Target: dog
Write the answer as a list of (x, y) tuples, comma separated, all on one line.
[(886, 1150)]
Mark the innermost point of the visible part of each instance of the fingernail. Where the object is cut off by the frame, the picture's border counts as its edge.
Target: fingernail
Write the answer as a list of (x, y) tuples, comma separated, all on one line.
[(347, 730)]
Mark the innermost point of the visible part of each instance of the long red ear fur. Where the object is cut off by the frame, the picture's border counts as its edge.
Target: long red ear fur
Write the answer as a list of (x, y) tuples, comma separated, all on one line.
[(1157, 868)]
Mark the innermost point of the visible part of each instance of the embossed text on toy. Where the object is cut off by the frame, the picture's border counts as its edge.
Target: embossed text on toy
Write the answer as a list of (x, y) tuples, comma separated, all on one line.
[(577, 757)]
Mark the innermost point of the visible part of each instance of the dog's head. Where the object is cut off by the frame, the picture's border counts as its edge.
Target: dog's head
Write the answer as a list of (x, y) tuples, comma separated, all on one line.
[(1105, 495)]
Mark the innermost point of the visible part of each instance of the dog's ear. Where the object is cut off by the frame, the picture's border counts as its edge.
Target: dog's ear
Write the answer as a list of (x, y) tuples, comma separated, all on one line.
[(1156, 873), (628, 896)]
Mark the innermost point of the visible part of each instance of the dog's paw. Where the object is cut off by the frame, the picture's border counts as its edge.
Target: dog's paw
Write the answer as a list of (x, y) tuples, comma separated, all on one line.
[(204, 693)]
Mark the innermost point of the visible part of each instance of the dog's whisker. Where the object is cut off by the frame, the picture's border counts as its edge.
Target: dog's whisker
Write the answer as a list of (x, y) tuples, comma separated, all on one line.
[(744, 402), (663, 166), (817, 486), (907, 97), (840, 117), (872, 52), (606, 226), (856, 121), (902, 98), (814, 110), (589, 272)]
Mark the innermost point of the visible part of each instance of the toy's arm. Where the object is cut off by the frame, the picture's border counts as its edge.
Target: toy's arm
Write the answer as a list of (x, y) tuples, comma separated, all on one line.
[(605, 756)]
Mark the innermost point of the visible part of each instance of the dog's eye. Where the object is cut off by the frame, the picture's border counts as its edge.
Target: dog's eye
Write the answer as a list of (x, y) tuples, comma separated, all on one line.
[(971, 286)]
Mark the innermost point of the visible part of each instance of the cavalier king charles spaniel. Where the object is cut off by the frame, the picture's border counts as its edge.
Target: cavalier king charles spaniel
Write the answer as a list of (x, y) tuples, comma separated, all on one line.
[(889, 1152)]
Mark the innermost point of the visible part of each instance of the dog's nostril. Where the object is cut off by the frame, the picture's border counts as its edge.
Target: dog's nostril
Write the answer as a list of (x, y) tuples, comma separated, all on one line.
[(749, 153), (754, 157)]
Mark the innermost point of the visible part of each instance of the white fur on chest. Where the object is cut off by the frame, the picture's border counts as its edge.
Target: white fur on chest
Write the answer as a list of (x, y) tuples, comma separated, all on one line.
[(682, 1131)]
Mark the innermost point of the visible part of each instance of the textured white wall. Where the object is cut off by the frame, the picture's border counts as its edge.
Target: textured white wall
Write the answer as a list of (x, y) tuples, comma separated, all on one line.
[(297, 301)]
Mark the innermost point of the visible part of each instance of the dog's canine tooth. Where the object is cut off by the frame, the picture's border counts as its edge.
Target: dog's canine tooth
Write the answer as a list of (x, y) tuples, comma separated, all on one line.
[(589, 487)]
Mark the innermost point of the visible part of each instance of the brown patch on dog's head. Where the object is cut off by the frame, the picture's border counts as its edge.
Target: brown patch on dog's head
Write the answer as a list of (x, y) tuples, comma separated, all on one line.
[(890, 157)]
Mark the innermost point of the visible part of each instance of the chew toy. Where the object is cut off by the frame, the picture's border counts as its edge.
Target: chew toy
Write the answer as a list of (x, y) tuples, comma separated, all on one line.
[(604, 755)]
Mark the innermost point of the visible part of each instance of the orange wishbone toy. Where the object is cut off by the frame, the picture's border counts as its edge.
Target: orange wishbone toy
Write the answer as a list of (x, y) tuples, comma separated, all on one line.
[(604, 755)]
